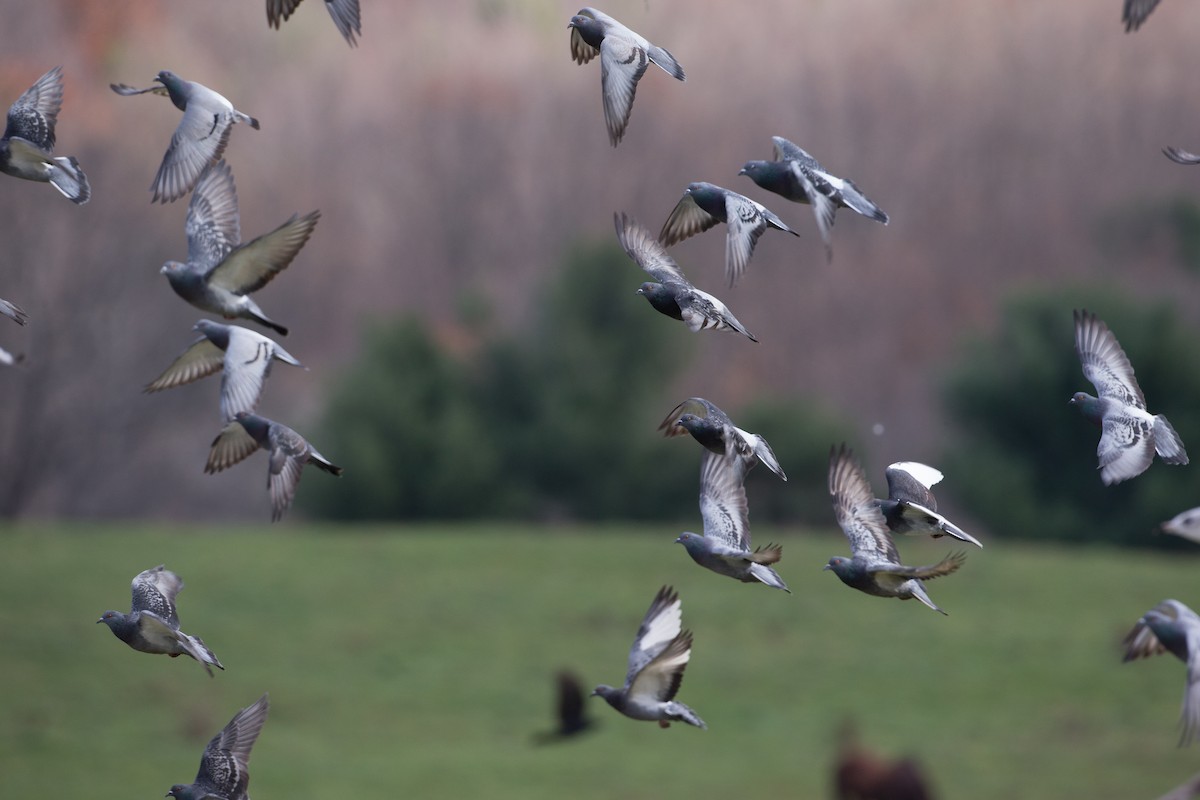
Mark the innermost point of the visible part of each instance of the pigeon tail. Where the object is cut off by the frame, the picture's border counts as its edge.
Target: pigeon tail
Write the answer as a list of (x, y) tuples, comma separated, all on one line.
[(918, 591), (198, 650), (321, 462), (856, 200), (666, 62), (767, 554), (769, 576), (678, 712), (764, 452), (66, 176), (262, 319), (1167, 443), (246, 118)]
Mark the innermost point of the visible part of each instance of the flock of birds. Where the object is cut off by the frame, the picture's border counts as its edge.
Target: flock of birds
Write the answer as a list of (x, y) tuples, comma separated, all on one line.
[(222, 271)]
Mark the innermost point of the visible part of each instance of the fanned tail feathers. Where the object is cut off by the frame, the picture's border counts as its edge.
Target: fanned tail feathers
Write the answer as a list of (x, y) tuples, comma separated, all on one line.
[(1167, 443), (68, 178)]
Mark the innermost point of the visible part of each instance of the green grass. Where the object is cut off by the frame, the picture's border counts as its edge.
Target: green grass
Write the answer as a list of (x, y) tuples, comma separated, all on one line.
[(418, 662)]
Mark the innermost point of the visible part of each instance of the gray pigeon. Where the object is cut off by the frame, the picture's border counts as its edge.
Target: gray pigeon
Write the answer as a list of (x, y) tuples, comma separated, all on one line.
[(243, 356), (289, 453), (1135, 12), (1172, 627), (724, 546), (703, 205), (657, 659), (152, 624), (28, 141), (13, 312), (624, 58), (1185, 524), (345, 15), (1129, 435), (671, 293), (712, 428), (224, 768), (220, 273), (200, 138), (875, 566), (911, 509), (1181, 156), (799, 177)]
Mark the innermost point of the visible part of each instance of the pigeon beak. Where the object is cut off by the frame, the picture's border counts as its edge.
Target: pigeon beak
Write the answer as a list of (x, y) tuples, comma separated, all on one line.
[(827, 566), (742, 171), (100, 620), (679, 539)]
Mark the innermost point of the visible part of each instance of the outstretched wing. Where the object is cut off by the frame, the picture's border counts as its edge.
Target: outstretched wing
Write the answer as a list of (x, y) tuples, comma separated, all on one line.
[(949, 564), (623, 62), (233, 444), (646, 251), (247, 364), (662, 623), (686, 220), (746, 222), (1135, 12), (723, 505), (225, 764), (200, 360), (1104, 362), (154, 590), (198, 141), (289, 454), (33, 116), (910, 482), (697, 406), (252, 266), (857, 512), (213, 227)]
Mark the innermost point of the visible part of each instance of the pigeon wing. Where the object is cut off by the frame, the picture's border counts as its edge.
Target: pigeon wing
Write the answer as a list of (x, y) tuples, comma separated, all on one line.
[(823, 206), (910, 481), (1141, 642), (623, 61), (696, 406), (581, 51), (233, 444), (647, 252), (278, 11), (213, 227), (1104, 362), (13, 312), (1181, 156), (224, 766), (154, 590), (289, 452), (247, 364), (252, 266), (723, 505), (33, 116), (199, 140), (1126, 446), (857, 513), (660, 679), (347, 17), (201, 359), (788, 151), (947, 565), (746, 223), (686, 220), (1190, 713), (662, 623), (1135, 12)]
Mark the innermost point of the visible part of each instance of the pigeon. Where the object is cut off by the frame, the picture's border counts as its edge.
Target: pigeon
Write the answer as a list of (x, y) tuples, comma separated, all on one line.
[(1130, 436), (910, 508), (799, 177), (224, 773), (28, 141), (624, 58), (243, 356), (1185, 524), (152, 624), (200, 138), (1172, 626), (13, 312), (712, 428), (1135, 13), (8, 359), (220, 272), (1181, 156), (875, 566), (657, 659), (572, 719), (345, 15), (724, 547), (289, 453), (703, 205), (670, 292)]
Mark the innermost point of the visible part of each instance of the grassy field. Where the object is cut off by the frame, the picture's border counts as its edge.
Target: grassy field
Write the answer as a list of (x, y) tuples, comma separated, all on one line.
[(418, 662)]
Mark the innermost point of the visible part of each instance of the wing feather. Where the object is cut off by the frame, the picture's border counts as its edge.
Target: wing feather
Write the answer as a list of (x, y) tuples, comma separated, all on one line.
[(1104, 362), (252, 266), (647, 252), (201, 359), (686, 220), (723, 504), (857, 512)]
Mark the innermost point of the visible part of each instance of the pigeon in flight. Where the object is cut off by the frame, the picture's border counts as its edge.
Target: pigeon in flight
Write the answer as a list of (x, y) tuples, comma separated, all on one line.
[(799, 177), (224, 768), (1185, 524), (1135, 12), (724, 547), (703, 205), (670, 292), (1129, 435), (571, 709), (28, 141), (1181, 156), (13, 312), (910, 508), (712, 428), (657, 659), (875, 566), (152, 624), (345, 15), (624, 58), (200, 138), (1172, 626), (243, 357), (220, 272), (289, 453)]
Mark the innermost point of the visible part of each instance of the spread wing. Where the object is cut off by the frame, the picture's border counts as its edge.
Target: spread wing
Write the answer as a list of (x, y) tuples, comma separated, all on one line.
[(213, 227), (646, 251), (289, 454), (199, 140), (252, 266), (225, 764), (1141, 642), (949, 564), (1181, 156), (247, 364), (910, 481), (662, 623), (623, 61), (696, 406), (200, 360), (33, 116), (746, 223), (788, 151), (823, 206), (1126, 446), (686, 220), (233, 444), (1135, 12), (660, 679), (723, 505), (856, 510), (154, 590), (1104, 362)]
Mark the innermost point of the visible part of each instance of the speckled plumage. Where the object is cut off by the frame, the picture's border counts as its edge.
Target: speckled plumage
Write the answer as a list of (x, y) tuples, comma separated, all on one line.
[(712, 428), (1172, 627), (225, 766), (28, 142)]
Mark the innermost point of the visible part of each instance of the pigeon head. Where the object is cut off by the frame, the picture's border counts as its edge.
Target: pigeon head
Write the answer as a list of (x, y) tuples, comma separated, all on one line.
[(613, 696), (1168, 631), (662, 298), (844, 568), (753, 168), (170, 268), (767, 174), (590, 30), (110, 618), (216, 332), (181, 792), (689, 422), (175, 86), (692, 542), (1185, 524), (255, 425), (1092, 408)]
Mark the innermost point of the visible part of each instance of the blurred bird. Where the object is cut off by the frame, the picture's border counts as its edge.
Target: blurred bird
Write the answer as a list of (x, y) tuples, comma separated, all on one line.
[(243, 356), (712, 428), (911, 509), (1130, 436), (200, 138), (13, 312), (703, 205), (875, 566), (1181, 156), (1172, 627), (152, 624), (345, 15), (799, 177), (289, 453), (1135, 13), (724, 546), (672, 294), (624, 58), (28, 141), (224, 768), (220, 272), (8, 359), (1185, 524), (657, 660), (571, 711)]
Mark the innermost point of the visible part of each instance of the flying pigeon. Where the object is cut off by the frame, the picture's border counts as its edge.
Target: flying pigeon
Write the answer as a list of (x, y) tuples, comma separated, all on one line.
[(243, 356), (1185, 524), (910, 507), (712, 428), (670, 292), (1135, 13), (624, 58), (1172, 626), (13, 312), (875, 566), (345, 15), (152, 624), (220, 272), (703, 205), (657, 659), (224, 768), (200, 138), (799, 177), (289, 453), (1181, 156), (571, 710), (724, 546), (28, 141), (1130, 436)]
